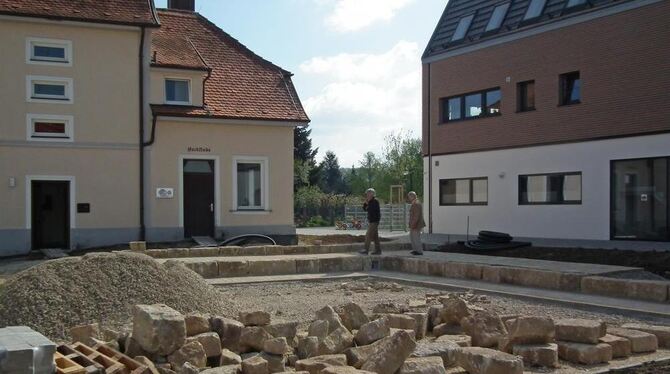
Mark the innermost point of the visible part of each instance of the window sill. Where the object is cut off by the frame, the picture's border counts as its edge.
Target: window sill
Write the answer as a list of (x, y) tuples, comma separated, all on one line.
[(470, 119), (564, 203), (179, 103), (468, 204), (570, 104), (526, 110), (250, 211)]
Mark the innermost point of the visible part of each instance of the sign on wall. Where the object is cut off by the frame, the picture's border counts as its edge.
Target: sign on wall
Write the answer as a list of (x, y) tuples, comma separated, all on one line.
[(164, 193)]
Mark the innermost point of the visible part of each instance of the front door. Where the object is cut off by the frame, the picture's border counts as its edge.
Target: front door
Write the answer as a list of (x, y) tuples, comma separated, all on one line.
[(50, 214), (198, 198), (640, 199)]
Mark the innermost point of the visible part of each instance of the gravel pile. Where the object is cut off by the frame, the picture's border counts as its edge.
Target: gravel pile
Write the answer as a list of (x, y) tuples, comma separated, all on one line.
[(101, 287)]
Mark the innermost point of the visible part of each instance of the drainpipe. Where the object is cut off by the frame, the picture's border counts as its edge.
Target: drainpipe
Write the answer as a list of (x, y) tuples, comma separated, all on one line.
[(430, 163), (141, 102)]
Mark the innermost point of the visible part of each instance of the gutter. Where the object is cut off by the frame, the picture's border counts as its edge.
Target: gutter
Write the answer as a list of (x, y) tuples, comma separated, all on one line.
[(141, 134), (430, 162)]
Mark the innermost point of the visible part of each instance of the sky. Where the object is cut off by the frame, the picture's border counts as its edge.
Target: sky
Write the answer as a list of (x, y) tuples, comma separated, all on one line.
[(356, 63)]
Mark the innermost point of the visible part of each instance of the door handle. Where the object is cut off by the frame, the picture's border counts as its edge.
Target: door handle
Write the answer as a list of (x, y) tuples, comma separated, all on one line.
[(211, 207)]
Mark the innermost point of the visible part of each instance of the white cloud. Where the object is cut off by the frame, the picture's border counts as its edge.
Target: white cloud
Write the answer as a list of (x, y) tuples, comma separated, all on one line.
[(363, 98), (353, 15)]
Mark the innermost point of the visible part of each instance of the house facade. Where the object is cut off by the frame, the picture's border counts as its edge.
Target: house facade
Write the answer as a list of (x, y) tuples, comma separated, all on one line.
[(549, 119), (123, 122)]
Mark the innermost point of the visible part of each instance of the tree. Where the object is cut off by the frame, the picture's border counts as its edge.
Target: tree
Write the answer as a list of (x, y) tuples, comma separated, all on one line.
[(305, 171), (331, 178)]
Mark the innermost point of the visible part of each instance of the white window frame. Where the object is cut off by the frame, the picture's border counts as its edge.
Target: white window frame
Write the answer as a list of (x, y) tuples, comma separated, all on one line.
[(32, 42), (31, 80), (265, 185), (31, 135), (190, 91)]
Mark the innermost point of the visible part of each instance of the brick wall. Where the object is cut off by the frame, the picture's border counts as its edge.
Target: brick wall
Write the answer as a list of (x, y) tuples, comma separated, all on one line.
[(624, 65)]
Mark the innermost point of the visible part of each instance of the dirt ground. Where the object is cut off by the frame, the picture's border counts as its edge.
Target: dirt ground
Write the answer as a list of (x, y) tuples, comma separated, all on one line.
[(334, 239), (297, 301), (652, 261)]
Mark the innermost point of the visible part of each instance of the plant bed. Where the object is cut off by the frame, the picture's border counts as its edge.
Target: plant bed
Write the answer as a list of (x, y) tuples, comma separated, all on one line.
[(652, 261)]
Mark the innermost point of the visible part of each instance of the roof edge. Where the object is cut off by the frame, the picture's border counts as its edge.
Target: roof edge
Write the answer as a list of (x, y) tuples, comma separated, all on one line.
[(79, 19)]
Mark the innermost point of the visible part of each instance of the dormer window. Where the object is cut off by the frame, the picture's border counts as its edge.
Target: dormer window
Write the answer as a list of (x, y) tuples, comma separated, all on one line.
[(534, 9), (177, 91), (462, 28), (574, 3), (49, 51), (497, 17)]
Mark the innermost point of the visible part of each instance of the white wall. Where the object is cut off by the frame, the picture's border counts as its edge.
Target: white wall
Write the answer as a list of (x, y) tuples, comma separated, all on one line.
[(590, 220)]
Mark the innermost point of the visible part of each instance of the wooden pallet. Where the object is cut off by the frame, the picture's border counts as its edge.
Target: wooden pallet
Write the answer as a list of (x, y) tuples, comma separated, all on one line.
[(65, 365), (132, 365), (89, 365), (110, 365)]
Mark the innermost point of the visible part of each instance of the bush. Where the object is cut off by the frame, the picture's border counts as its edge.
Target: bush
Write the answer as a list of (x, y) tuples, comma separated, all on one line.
[(316, 221)]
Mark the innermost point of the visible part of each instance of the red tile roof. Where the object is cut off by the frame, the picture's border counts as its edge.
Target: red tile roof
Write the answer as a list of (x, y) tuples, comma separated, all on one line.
[(124, 12), (242, 85)]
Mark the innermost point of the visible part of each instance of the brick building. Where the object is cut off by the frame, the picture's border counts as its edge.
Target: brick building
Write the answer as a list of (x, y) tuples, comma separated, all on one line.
[(549, 119)]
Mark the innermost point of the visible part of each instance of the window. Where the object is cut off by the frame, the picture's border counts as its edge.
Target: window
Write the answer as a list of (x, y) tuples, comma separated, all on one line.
[(42, 127), (462, 28), (251, 183), (534, 9), (48, 51), (570, 88), (178, 91), (558, 188), (574, 3), (466, 191), (497, 17), (49, 89), (525, 93), (473, 105)]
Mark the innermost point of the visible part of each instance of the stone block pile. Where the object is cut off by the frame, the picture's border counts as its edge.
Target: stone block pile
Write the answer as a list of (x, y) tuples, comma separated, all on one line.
[(423, 339)]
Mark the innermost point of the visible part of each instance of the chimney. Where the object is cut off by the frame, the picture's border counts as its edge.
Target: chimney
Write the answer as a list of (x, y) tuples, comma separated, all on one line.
[(182, 5)]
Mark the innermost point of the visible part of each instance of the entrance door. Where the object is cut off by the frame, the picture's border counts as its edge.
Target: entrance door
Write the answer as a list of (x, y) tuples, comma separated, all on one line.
[(198, 198), (50, 207), (640, 199)]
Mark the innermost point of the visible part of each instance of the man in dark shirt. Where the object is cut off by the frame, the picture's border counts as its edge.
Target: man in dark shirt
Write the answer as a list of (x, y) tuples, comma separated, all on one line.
[(371, 206)]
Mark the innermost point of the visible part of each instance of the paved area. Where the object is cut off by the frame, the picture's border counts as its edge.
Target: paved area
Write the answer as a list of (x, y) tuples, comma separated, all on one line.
[(324, 231)]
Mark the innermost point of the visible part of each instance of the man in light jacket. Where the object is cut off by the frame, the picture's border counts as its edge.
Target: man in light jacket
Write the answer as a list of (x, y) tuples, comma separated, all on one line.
[(416, 223)]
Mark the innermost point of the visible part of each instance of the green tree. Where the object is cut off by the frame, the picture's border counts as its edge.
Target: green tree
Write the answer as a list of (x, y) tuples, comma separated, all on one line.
[(403, 162), (331, 175), (305, 170)]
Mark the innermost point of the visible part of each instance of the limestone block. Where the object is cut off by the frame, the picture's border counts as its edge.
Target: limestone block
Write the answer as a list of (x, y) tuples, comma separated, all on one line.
[(192, 353), (196, 324), (389, 355), (210, 342), (621, 347), (662, 332), (538, 354), (422, 365), (158, 328), (373, 331), (580, 330), (255, 318), (639, 341), (478, 360), (315, 364), (587, 354), (229, 331), (255, 365)]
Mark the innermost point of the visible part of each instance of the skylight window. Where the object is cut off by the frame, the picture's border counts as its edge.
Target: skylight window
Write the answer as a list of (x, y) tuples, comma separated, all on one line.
[(573, 3), (497, 17), (534, 9), (462, 28)]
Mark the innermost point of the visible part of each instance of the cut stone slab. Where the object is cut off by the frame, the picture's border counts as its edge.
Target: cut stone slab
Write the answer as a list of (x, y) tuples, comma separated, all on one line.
[(210, 342), (580, 330), (85, 334), (352, 316), (372, 331), (276, 363), (401, 321), (22, 348), (327, 313), (640, 341), (252, 339), (257, 318), (314, 365), (527, 330), (343, 370), (158, 328), (229, 331), (308, 347), (445, 350), (621, 347), (390, 354), (662, 332), (545, 355), (196, 324), (287, 330), (485, 328), (447, 329), (318, 328), (587, 354), (461, 340), (276, 346), (192, 352), (229, 357), (255, 365), (336, 342), (228, 369), (420, 325), (422, 365), (478, 360)]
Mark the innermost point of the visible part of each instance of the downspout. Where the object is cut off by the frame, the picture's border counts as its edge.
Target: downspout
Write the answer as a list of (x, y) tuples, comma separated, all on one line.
[(141, 101), (430, 162)]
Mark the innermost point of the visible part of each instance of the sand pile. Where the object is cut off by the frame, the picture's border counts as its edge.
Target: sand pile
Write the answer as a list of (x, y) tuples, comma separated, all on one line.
[(102, 287)]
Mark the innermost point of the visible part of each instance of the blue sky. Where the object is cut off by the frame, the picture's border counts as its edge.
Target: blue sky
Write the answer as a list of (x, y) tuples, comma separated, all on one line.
[(356, 62)]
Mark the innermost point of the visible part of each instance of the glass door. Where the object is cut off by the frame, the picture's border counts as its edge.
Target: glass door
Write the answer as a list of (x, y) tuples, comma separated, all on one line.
[(640, 199)]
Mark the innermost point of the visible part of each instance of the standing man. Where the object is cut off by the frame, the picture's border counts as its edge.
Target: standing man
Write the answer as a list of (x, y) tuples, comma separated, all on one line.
[(371, 206), (416, 224)]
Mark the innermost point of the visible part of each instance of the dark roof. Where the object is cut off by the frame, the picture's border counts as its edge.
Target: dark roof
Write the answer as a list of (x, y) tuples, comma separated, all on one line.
[(483, 9), (121, 12), (242, 85)]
